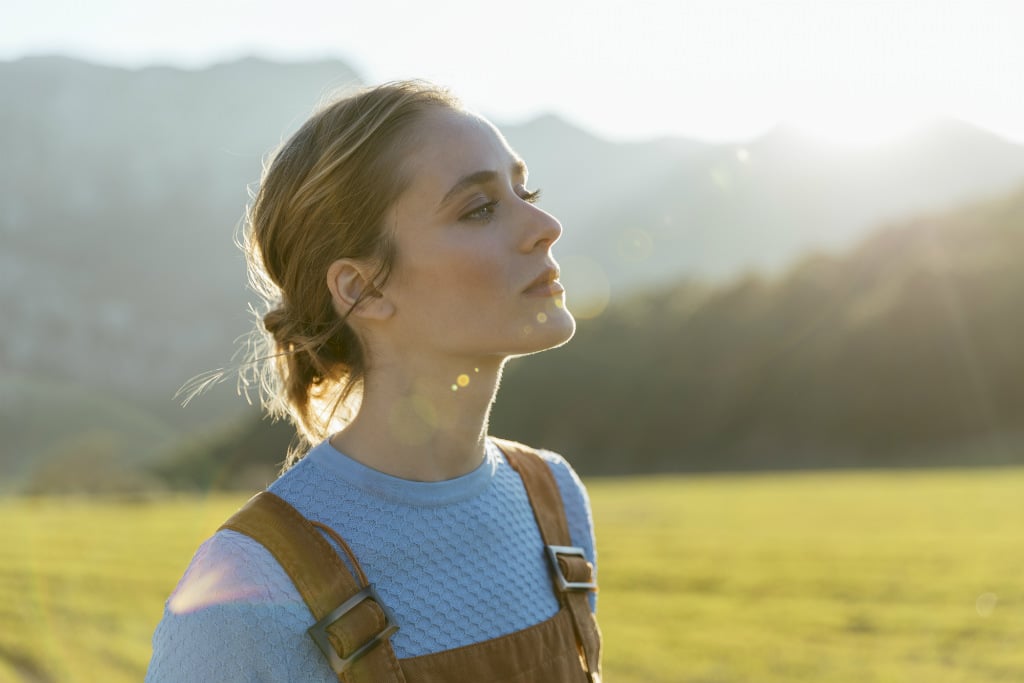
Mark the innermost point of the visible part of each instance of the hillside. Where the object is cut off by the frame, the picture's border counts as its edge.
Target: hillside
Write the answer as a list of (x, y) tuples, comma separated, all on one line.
[(122, 189), (903, 350)]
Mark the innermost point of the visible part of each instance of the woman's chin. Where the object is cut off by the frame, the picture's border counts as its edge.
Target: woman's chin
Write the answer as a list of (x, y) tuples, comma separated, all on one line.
[(550, 328)]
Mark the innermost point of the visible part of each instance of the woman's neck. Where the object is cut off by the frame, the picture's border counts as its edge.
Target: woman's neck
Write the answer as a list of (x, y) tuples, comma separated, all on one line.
[(424, 424)]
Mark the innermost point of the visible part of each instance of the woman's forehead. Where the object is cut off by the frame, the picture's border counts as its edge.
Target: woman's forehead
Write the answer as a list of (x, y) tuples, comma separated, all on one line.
[(449, 144)]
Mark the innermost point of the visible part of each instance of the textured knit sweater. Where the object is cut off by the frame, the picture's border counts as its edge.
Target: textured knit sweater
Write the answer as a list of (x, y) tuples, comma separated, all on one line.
[(457, 562)]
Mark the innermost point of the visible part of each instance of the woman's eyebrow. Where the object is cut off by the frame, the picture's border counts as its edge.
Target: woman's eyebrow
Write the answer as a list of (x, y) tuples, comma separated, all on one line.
[(481, 178)]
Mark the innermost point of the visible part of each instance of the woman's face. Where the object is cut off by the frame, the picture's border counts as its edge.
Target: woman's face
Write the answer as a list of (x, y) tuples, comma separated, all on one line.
[(474, 275)]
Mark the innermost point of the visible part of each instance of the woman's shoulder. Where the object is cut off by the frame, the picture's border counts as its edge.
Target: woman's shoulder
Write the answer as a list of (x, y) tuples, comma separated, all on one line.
[(575, 499), (558, 464), (234, 614), (227, 567), (574, 493), (576, 503), (569, 483)]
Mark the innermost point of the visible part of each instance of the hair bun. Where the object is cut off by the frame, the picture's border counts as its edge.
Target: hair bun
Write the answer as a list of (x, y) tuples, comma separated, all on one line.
[(275, 322)]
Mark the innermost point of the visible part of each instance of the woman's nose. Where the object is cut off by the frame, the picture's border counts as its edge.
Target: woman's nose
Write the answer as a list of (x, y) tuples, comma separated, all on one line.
[(543, 229)]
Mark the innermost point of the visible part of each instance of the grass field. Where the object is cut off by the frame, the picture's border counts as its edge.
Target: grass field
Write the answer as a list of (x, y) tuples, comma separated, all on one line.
[(855, 577)]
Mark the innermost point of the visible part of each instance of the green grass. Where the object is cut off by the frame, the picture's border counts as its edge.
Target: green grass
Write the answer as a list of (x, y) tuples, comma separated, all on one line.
[(858, 577), (855, 577), (82, 583)]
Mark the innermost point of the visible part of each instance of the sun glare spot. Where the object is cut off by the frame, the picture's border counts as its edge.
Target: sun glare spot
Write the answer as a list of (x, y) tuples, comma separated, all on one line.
[(588, 282), (986, 604), (412, 420), (742, 155), (206, 586), (542, 317), (635, 244), (463, 380), (721, 178)]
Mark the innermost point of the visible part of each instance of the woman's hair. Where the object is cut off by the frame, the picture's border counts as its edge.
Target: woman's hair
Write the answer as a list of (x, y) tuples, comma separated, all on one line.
[(323, 197)]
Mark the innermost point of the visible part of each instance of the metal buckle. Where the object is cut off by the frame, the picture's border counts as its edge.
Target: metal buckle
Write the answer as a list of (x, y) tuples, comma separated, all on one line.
[(318, 631), (564, 584)]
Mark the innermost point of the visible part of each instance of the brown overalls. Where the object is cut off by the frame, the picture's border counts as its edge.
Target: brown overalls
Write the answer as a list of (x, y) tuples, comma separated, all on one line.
[(353, 627)]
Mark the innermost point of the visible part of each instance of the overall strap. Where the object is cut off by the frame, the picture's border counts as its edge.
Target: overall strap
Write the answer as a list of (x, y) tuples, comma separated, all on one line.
[(353, 627), (572, 573)]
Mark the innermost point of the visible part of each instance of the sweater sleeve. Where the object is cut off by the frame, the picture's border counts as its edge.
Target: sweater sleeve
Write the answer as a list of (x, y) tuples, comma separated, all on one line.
[(577, 510), (234, 617)]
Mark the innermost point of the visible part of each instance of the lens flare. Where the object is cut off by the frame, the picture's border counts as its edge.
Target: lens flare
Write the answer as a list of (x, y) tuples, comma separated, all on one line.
[(635, 245), (208, 584), (986, 604), (588, 282)]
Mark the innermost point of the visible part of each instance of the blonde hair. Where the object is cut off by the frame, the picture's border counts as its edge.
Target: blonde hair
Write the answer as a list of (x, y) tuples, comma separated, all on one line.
[(324, 197)]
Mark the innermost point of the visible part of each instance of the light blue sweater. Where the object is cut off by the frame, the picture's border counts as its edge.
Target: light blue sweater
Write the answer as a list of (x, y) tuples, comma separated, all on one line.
[(457, 562)]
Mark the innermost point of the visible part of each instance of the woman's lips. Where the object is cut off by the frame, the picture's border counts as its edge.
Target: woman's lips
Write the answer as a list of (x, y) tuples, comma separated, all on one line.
[(545, 288)]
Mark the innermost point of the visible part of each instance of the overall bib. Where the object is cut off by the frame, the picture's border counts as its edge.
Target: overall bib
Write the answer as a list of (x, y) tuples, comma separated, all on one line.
[(353, 626)]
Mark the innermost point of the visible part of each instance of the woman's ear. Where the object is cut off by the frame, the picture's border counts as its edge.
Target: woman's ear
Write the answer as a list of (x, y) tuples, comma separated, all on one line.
[(351, 285)]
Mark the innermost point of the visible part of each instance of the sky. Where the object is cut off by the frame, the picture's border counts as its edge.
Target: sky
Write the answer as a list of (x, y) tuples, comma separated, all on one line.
[(849, 71)]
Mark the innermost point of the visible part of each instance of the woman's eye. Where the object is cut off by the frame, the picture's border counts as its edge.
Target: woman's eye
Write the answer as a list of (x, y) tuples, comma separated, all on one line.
[(483, 212), (486, 211)]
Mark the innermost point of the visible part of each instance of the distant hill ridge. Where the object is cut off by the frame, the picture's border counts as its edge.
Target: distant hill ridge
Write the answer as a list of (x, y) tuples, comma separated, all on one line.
[(121, 190)]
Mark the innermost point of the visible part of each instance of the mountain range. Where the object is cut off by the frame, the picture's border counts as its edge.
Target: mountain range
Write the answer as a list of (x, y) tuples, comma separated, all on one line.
[(122, 191)]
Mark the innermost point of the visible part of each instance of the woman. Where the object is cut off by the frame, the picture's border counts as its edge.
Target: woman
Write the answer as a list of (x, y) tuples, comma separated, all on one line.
[(403, 261)]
